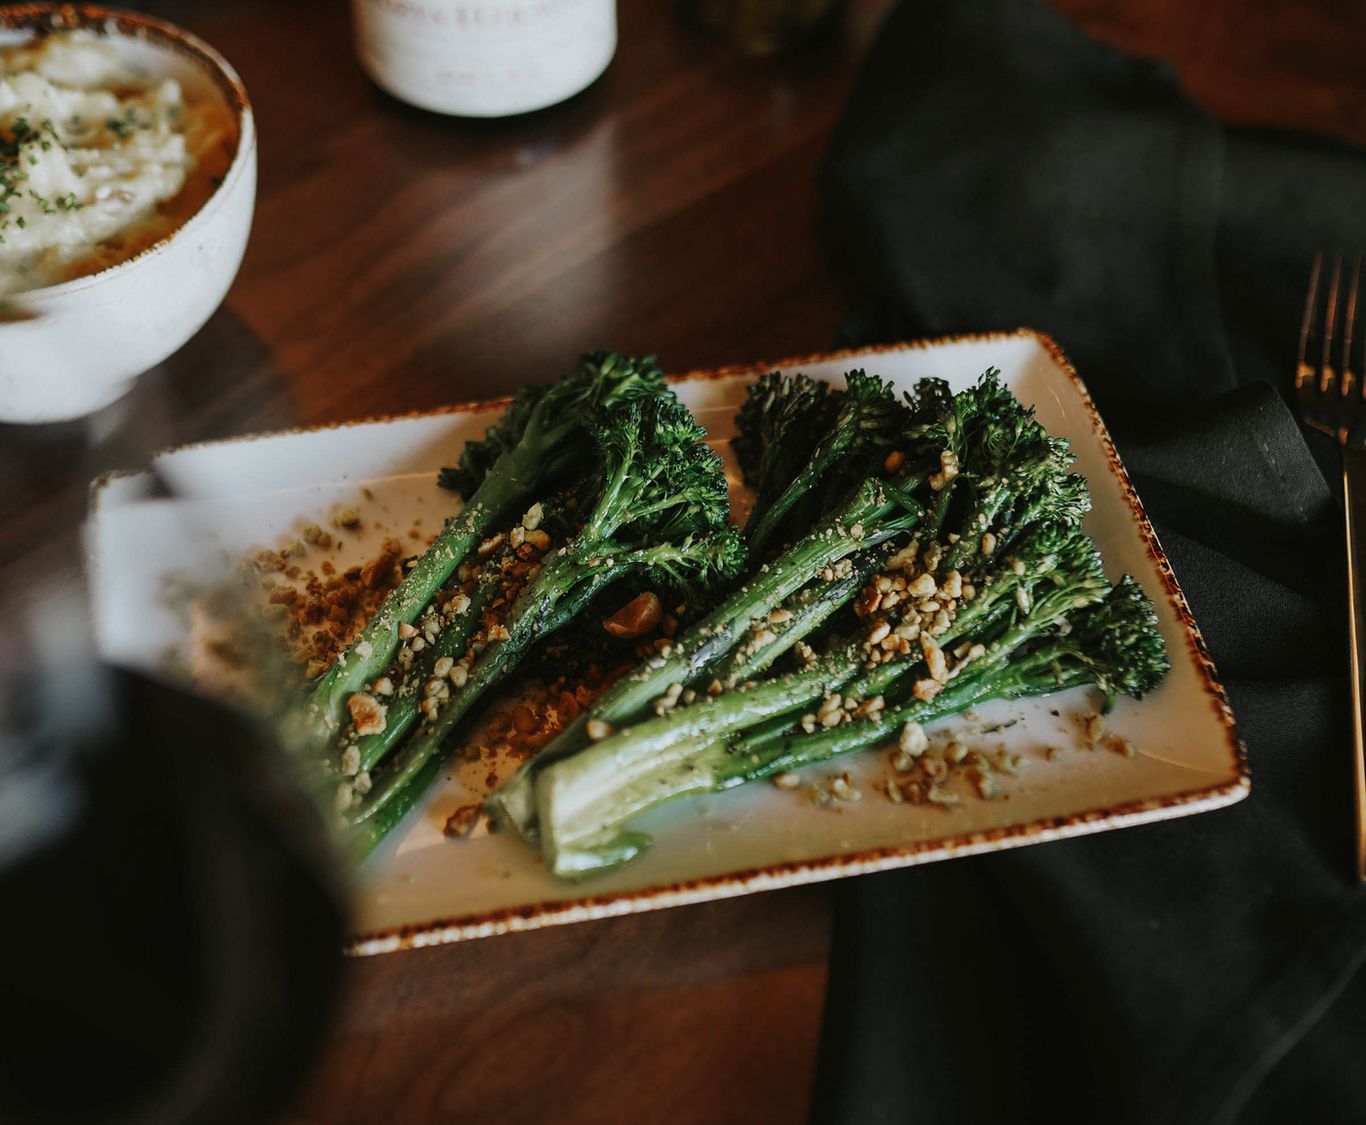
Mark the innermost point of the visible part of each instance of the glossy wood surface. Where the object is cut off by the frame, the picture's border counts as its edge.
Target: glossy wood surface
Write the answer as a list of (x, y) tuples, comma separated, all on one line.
[(401, 260)]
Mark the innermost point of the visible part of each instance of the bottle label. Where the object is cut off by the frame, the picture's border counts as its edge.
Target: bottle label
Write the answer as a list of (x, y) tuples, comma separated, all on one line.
[(485, 58)]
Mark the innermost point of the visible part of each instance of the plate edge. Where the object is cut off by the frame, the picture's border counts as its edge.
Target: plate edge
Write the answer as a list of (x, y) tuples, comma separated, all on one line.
[(101, 483), (553, 912)]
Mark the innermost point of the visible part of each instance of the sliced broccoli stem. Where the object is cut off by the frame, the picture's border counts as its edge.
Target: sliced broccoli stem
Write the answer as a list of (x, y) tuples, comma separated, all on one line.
[(596, 840), (769, 745)]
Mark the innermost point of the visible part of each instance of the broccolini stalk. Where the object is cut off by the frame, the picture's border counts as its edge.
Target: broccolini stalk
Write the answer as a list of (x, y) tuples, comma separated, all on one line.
[(583, 801), (363, 838), (539, 438), (660, 506), (875, 513), (795, 619), (1053, 570), (459, 624), (584, 807), (1061, 571), (1114, 645)]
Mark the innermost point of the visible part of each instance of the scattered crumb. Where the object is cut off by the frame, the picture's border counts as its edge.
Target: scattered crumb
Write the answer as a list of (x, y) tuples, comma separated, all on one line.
[(984, 782), (1092, 727), (324, 610)]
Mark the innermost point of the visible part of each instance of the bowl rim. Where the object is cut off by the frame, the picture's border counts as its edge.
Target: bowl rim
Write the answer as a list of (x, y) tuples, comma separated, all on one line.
[(47, 18)]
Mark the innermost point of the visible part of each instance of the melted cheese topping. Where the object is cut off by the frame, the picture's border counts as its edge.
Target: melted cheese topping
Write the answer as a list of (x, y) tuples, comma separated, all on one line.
[(96, 162)]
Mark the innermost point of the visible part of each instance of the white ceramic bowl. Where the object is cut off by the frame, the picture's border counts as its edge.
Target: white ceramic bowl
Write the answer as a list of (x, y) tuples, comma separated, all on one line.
[(69, 349)]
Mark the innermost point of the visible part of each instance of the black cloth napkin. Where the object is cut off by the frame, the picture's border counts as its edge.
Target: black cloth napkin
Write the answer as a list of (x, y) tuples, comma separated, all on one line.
[(996, 168)]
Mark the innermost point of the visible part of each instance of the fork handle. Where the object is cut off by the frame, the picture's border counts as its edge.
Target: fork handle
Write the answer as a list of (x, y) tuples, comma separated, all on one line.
[(1354, 497)]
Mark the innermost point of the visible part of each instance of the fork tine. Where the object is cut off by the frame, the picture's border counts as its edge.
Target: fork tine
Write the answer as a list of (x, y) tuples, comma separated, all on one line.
[(1349, 375), (1304, 372), (1330, 316)]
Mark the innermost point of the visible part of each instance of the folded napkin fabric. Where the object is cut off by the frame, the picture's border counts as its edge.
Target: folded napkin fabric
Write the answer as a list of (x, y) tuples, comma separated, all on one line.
[(998, 168)]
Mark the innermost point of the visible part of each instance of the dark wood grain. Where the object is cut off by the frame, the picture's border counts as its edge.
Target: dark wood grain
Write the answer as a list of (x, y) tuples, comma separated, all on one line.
[(705, 1015), (400, 260)]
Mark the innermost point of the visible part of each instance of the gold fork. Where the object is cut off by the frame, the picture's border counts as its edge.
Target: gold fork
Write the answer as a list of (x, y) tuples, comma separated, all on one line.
[(1332, 397)]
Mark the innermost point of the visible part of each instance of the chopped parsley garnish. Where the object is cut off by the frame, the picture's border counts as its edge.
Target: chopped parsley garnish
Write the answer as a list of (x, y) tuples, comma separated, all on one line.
[(123, 126), (69, 202)]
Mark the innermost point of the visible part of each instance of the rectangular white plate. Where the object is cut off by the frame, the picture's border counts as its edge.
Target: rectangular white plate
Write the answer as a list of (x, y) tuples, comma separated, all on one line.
[(422, 888)]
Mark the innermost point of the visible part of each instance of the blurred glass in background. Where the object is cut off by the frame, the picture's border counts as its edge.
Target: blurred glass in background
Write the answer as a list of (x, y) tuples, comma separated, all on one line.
[(172, 912)]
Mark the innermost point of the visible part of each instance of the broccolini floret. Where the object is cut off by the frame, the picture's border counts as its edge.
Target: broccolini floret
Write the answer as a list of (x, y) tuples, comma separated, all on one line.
[(541, 438), (829, 454)]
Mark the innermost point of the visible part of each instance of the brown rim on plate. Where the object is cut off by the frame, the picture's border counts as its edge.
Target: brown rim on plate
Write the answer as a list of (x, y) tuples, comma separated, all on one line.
[(593, 906), (48, 19)]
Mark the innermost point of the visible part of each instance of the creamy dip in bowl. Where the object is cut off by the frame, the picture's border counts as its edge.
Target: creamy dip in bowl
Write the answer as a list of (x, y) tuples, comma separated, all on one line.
[(127, 182)]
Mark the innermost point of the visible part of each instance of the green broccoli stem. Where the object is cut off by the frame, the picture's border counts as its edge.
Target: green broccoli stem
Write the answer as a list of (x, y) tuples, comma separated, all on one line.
[(363, 838), (544, 450), (595, 838), (811, 614), (1076, 640), (1042, 672), (795, 750), (896, 679), (810, 608), (560, 592), (504, 490), (1000, 638), (595, 844), (720, 630), (581, 798), (868, 509), (590, 838), (452, 642)]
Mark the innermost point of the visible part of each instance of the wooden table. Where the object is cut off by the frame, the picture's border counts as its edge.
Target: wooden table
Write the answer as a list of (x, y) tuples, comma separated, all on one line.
[(400, 260)]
